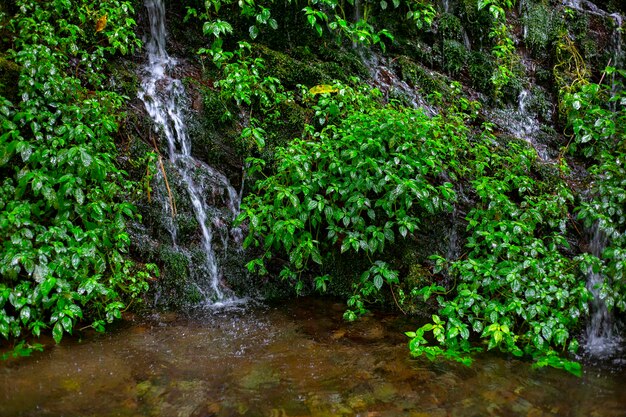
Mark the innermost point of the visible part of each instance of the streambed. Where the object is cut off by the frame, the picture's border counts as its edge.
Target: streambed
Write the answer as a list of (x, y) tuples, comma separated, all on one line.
[(298, 359)]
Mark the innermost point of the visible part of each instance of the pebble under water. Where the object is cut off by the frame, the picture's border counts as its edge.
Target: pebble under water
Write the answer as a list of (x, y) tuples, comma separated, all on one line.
[(296, 359)]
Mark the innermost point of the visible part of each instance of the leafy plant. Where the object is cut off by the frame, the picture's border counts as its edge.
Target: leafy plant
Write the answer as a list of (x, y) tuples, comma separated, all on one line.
[(503, 51), (515, 290), (368, 177), (597, 116), (63, 209)]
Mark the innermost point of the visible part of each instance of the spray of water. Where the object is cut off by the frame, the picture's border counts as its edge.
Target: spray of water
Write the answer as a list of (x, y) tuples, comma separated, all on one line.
[(164, 98), (602, 339)]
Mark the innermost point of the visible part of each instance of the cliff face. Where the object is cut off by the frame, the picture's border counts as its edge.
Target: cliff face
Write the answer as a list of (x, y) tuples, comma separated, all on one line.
[(556, 46)]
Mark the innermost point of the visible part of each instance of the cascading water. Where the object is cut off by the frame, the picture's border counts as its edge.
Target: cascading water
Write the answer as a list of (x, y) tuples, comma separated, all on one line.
[(388, 82), (164, 98), (602, 339), (522, 122)]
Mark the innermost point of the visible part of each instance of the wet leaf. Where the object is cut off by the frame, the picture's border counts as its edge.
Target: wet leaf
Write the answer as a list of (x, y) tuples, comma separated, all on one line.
[(322, 89), (101, 23)]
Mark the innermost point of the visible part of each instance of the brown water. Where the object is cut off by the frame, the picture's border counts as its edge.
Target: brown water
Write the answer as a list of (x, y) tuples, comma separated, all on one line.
[(293, 360)]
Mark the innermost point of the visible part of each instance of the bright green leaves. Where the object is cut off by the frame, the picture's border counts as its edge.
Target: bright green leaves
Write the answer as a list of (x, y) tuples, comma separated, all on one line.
[(356, 186), (217, 28), (244, 82), (516, 291), (597, 117), (441, 331), (62, 196), (503, 50)]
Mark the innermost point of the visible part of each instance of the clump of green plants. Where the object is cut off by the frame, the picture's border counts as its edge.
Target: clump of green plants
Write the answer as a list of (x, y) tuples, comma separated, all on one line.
[(503, 50), (64, 202), (450, 27), (518, 290), (538, 26), (370, 176), (597, 117), (515, 290), (454, 56)]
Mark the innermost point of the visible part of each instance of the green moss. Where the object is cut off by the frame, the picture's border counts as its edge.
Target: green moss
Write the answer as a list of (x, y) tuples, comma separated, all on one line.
[(450, 27), (538, 24), (515, 85), (477, 22), (173, 287), (290, 71), (539, 102), (308, 68), (344, 63), (286, 124), (427, 81), (124, 79), (215, 111), (9, 75), (454, 56), (480, 70)]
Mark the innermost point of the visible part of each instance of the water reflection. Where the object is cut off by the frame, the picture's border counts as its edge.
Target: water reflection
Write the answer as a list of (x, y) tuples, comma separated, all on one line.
[(295, 360)]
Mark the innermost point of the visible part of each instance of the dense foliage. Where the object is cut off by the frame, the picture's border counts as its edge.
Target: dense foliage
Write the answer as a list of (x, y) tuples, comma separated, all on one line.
[(371, 177), (598, 123), (64, 202), (366, 176), (373, 173)]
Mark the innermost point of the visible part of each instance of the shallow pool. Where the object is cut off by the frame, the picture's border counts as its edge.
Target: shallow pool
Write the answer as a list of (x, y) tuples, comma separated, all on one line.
[(298, 359)]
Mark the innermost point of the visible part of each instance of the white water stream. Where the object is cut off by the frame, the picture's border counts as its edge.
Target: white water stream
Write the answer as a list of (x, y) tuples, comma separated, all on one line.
[(602, 339), (164, 98)]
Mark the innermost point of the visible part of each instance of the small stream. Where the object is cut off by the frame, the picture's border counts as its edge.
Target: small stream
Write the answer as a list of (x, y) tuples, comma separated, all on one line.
[(165, 99), (295, 359)]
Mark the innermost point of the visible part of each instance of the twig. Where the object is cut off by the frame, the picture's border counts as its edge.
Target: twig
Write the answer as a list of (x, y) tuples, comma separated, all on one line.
[(167, 184), (396, 301), (604, 72)]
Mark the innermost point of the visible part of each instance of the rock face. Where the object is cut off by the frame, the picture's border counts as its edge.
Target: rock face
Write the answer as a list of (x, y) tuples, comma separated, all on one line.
[(415, 65)]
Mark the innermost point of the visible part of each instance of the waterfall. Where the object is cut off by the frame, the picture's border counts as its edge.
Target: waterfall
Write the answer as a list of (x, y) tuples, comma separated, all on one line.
[(165, 99), (446, 5), (389, 83), (522, 121), (601, 340)]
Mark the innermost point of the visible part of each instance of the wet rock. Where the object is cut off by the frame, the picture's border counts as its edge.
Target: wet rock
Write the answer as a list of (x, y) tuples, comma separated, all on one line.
[(259, 376), (366, 330), (338, 334), (385, 392)]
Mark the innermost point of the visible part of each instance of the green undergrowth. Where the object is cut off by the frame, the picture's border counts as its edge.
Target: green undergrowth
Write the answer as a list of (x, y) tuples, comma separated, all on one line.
[(374, 174), (64, 202), (361, 179)]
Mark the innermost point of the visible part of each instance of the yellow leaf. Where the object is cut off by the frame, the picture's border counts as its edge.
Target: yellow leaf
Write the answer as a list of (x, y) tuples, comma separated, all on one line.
[(101, 23), (323, 88)]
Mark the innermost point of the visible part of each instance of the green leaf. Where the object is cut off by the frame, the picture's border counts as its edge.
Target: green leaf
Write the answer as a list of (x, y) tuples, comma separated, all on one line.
[(67, 324), (57, 332), (254, 31), (378, 282), (25, 314)]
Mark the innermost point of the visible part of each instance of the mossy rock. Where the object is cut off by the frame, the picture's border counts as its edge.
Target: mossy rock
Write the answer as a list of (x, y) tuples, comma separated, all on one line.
[(288, 70), (454, 56), (477, 22), (173, 287), (480, 69), (450, 27), (426, 80), (123, 77), (346, 63), (287, 124), (9, 76), (538, 21)]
